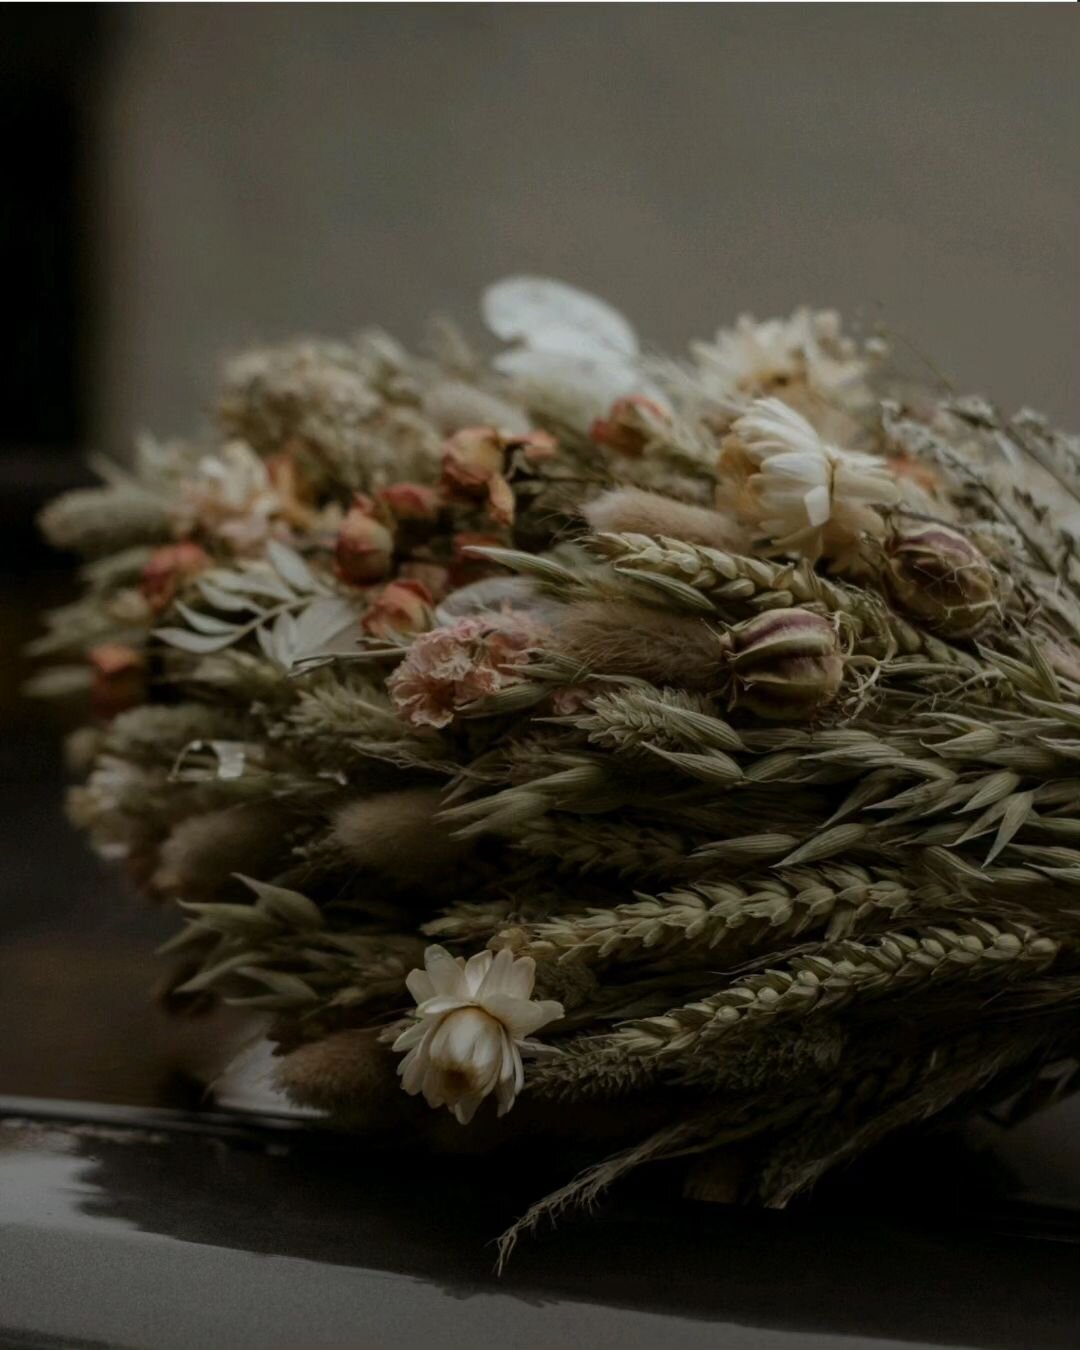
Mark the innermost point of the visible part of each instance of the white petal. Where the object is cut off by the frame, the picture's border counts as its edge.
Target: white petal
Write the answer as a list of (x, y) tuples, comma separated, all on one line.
[(519, 982), (465, 1108), (412, 1036), (526, 307), (412, 1070), (476, 969), (418, 983), (817, 503), (444, 971), (441, 1003), (520, 1016), (494, 982)]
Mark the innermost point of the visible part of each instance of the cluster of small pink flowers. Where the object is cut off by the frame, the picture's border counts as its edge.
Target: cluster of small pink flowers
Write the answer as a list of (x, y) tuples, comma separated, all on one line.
[(451, 667)]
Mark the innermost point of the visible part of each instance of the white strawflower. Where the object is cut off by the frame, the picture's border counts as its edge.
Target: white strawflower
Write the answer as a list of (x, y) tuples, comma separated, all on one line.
[(804, 494), (804, 354), (473, 1018)]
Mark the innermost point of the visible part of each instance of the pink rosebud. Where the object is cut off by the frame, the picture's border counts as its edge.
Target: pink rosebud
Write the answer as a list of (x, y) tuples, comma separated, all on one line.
[(411, 501), (365, 546), (627, 428), (119, 679), (473, 464), (433, 576), (400, 607), (536, 447), (466, 567), (471, 458), (169, 568)]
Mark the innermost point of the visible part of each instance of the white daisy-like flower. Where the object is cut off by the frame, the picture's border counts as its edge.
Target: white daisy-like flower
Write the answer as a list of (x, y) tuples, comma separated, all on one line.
[(806, 354), (802, 493), (472, 1022)]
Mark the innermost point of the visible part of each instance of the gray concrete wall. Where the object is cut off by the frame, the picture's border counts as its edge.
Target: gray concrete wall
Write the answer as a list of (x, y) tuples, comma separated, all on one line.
[(275, 168)]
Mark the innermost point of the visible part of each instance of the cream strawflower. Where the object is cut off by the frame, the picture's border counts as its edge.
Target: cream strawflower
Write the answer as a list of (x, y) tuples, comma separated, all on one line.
[(804, 494), (473, 1018), (806, 354)]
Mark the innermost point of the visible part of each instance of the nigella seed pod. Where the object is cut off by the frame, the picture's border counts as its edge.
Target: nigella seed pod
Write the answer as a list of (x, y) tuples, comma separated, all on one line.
[(786, 664), (940, 578)]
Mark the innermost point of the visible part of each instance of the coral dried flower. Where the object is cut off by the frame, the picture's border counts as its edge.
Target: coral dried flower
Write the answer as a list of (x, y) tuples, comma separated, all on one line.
[(473, 467), (365, 546), (473, 1019), (168, 569), (628, 427), (411, 501), (400, 607), (119, 678)]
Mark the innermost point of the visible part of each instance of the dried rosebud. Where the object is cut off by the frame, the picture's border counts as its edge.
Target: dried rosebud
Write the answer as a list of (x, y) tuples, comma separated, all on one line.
[(119, 678), (785, 663), (365, 546), (471, 458), (411, 501), (169, 569), (435, 577), (536, 447), (473, 467), (940, 578), (466, 567), (400, 607), (629, 426)]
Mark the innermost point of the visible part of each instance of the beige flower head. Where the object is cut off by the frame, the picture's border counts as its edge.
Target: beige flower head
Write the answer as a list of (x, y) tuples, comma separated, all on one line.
[(232, 497), (472, 1022), (805, 359), (806, 496)]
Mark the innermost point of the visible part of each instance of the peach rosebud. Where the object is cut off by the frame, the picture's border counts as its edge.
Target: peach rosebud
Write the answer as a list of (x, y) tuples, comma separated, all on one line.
[(786, 664), (400, 607), (119, 678), (433, 576), (471, 458), (365, 546), (410, 501), (466, 567), (627, 429), (473, 461), (940, 578), (168, 570), (536, 447)]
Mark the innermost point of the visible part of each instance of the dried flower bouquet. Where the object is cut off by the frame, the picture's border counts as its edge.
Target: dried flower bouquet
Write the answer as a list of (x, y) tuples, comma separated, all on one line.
[(684, 753)]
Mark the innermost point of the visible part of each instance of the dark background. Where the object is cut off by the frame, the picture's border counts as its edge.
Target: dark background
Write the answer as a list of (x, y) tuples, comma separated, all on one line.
[(183, 179)]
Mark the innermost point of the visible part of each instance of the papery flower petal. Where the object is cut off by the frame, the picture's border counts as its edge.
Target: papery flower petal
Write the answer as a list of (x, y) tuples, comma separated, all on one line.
[(418, 983), (476, 971), (445, 972), (498, 973), (816, 502), (521, 1017), (442, 1003)]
